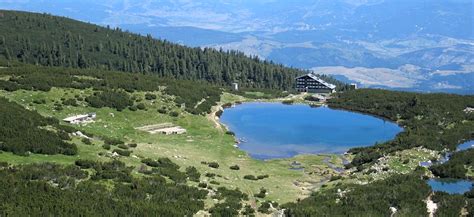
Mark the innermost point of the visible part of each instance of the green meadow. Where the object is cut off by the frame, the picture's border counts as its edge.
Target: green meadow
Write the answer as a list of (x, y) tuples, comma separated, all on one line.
[(205, 141)]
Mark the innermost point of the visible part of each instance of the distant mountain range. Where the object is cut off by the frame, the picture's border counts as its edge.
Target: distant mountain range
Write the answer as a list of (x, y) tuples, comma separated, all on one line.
[(421, 45)]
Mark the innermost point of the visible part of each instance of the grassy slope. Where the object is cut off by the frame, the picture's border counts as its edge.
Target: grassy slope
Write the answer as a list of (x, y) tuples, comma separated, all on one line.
[(203, 142)]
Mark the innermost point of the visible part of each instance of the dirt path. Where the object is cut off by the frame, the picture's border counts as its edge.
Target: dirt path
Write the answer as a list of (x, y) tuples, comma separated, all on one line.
[(200, 102), (332, 166), (214, 119)]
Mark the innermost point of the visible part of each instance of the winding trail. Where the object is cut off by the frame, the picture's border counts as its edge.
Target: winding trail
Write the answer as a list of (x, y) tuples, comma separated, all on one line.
[(214, 119), (332, 166)]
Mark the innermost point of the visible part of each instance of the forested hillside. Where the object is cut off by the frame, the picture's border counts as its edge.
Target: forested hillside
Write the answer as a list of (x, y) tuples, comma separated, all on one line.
[(56, 41)]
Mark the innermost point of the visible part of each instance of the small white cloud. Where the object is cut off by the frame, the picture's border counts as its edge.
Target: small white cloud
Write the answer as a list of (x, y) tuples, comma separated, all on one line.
[(445, 85)]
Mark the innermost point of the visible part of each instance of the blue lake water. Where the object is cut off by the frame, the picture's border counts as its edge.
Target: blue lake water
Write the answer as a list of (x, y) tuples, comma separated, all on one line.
[(444, 159), (275, 130), (451, 186), (466, 145)]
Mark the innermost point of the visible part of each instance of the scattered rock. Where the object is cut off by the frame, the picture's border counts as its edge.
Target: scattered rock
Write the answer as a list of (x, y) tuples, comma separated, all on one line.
[(115, 154), (393, 210), (468, 110), (80, 134)]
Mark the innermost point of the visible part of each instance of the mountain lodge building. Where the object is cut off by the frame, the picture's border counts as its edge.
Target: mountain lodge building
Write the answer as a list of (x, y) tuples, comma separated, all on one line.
[(311, 83)]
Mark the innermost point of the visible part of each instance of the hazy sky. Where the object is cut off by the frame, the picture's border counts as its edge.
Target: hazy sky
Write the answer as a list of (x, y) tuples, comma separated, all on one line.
[(225, 15), (254, 15)]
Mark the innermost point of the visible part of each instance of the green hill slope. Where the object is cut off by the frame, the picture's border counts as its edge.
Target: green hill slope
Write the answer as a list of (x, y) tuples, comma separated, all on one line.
[(57, 41)]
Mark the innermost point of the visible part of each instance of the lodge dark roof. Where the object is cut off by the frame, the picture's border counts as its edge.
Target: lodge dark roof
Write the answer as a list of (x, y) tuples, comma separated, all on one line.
[(313, 76)]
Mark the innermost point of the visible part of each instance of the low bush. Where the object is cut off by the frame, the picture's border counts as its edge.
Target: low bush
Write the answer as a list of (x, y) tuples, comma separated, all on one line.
[(123, 146), (213, 165), (106, 146), (210, 175), (248, 211), (85, 164), (250, 177), (121, 152), (161, 162), (265, 208), (150, 96), (193, 174), (172, 173), (162, 110), (39, 101), (141, 106), (113, 141), (86, 141), (262, 193), (214, 182)]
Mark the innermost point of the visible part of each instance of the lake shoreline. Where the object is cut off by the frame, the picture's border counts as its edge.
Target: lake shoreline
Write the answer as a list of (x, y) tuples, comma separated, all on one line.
[(344, 153), (346, 157)]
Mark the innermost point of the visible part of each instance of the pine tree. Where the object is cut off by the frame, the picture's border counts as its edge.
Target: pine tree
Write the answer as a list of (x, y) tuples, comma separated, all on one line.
[(81, 61)]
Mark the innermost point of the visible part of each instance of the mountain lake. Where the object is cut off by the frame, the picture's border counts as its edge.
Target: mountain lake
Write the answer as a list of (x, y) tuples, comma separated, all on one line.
[(275, 130)]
